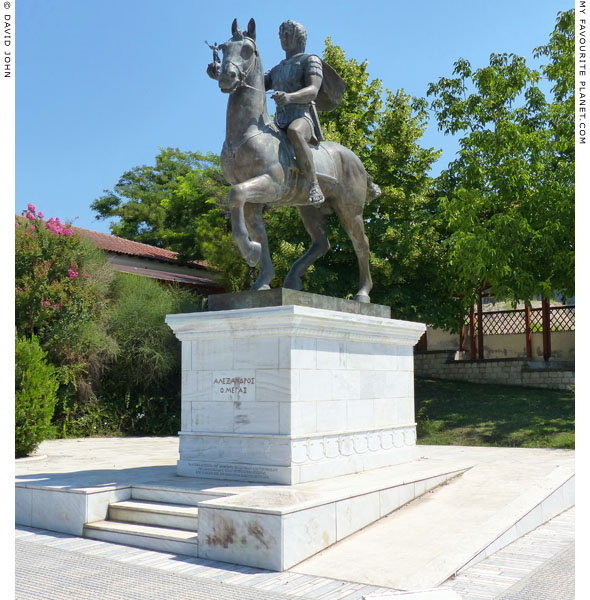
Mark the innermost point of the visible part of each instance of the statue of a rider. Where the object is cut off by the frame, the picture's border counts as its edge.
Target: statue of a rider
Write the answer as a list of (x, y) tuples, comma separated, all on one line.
[(302, 84)]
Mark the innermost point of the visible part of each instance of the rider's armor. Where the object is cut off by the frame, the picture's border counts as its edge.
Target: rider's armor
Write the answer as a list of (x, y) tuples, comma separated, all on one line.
[(290, 76)]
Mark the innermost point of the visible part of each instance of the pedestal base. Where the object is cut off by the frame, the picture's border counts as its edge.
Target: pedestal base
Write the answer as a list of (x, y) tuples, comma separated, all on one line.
[(281, 459)]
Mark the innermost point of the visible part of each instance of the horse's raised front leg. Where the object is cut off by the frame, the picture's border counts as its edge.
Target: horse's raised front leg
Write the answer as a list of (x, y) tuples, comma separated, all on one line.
[(259, 190), (315, 224), (255, 224)]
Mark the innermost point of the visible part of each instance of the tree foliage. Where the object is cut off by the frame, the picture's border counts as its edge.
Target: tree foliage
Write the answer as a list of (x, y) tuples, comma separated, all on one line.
[(36, 383), (508, 198), (162, 204), (148, 349), (178, 204), (142, 387), (383, 128)]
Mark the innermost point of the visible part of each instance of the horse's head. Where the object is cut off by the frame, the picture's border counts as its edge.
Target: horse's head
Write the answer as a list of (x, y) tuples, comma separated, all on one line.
[(239, 57)]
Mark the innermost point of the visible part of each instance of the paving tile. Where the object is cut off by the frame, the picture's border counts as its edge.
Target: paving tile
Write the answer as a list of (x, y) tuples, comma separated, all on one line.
[(273, 582), (497, 574), (87, 577), (303, 587), (343, 592), (554, 580), (364, 591), (295, 583), (518, 561), (322, 591)]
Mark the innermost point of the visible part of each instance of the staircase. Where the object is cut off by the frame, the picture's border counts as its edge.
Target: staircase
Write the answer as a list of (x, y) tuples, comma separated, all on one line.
[(155, 519)]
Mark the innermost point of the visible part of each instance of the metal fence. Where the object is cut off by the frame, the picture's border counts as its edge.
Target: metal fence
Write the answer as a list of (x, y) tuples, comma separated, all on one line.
[(504, 322)]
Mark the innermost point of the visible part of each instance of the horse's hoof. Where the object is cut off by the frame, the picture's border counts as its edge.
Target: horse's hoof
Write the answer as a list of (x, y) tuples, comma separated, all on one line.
[(257, 288), (252, 256), (292, 284), (364, 298)]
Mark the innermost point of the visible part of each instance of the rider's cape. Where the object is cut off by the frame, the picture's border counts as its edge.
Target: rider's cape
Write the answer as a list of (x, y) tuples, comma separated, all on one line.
[(328, 98), (332, 90)]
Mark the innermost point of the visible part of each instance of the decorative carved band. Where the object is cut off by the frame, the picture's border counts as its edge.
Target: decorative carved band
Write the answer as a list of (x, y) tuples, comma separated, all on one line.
[(333, 446)]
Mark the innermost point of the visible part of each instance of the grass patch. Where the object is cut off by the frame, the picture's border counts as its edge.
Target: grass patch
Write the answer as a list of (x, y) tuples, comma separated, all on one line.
[(470, 414)]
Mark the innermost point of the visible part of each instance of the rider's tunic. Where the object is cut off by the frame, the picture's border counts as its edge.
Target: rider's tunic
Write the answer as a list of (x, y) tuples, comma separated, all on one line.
[(291, 75)]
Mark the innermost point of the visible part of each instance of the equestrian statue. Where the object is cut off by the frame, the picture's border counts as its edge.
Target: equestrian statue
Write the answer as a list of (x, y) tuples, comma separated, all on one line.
[(285, 162)]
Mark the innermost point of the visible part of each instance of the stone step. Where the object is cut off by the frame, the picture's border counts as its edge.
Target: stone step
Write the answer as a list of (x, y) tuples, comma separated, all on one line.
[(172, 516), (171, 494), (150, 537)]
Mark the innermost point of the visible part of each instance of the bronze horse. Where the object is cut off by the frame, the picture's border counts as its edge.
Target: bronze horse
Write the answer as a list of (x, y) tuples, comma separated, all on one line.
[(258, 161)]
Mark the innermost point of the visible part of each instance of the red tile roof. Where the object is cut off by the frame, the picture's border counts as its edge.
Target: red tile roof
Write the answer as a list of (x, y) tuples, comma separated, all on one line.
[(111, 243), (200, 282)]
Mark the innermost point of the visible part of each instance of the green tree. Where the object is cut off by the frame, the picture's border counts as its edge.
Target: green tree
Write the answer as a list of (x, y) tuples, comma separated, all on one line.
[(153, 205), (407, 261), (508, 198), (178, 204)]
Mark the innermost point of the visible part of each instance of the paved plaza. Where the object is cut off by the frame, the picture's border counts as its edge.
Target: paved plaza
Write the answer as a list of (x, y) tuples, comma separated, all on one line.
[(50, 565)]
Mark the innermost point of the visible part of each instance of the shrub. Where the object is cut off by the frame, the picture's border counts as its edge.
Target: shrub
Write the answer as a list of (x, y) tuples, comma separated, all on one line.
[(143, 385), (60, 297), (92, 417), (36, 384)]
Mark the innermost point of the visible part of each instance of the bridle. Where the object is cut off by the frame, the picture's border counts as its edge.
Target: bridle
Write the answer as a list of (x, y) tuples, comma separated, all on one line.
[(243, 75)]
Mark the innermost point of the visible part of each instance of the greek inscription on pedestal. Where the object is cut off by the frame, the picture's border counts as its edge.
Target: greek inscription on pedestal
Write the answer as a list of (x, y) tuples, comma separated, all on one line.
[(233, 471), (233, 386)]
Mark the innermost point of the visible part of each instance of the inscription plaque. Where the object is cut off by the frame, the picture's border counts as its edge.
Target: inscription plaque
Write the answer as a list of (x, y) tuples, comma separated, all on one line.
[(233, 471)]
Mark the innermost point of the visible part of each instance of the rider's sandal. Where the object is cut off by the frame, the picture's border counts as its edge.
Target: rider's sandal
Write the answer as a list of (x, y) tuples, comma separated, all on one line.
[(315, 195)]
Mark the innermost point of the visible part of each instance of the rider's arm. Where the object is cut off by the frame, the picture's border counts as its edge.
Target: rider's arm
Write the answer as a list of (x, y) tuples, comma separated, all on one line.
[(313, 80), (268, 80), (308, 93)]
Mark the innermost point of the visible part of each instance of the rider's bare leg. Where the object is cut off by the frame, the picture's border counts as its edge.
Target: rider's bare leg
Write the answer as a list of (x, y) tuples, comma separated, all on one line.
[(300, 132)]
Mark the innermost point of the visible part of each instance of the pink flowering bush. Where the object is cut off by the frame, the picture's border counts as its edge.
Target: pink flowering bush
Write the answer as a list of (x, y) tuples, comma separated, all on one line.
[(67, 313)]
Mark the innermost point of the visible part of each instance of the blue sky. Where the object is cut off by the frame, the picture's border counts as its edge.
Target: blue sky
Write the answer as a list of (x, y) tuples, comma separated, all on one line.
[(101, 86)]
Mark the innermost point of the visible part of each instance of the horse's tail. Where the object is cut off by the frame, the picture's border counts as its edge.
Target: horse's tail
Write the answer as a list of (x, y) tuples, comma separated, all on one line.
[(373, 190)]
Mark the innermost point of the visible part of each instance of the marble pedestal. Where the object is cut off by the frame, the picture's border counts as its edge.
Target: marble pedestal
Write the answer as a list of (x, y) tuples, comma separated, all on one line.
[(289, 394)]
